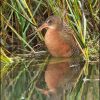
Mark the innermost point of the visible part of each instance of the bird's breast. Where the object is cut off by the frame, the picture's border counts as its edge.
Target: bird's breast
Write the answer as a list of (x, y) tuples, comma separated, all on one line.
[(56, 45)]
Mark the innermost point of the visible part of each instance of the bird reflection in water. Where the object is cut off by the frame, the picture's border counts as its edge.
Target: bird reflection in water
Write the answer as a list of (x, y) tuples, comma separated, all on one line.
[(60, 75)]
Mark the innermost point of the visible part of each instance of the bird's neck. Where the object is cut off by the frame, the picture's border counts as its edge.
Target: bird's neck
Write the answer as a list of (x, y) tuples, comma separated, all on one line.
[(53, 31)]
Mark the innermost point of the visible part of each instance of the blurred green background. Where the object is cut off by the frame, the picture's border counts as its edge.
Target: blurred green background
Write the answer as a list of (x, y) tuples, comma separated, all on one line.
[(20, 69)]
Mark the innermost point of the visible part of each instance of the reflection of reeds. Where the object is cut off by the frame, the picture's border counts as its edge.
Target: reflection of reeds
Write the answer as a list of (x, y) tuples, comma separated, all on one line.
[(19, 21)]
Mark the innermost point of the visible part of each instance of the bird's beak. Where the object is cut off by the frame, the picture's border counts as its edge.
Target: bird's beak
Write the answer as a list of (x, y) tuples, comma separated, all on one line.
[(45, 25)]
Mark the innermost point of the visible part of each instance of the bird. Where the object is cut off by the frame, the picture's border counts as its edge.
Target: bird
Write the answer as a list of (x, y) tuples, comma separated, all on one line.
[(59, 38)]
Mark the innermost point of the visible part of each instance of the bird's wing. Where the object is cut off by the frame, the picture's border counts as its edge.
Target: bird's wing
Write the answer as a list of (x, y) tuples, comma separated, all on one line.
[(68, 35)]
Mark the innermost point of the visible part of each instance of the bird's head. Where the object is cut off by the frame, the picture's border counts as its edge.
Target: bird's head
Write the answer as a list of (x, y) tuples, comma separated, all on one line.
[(52, 22)]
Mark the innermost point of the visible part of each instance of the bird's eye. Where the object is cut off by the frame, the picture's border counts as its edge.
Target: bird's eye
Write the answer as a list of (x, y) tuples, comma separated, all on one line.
[(49, 21)]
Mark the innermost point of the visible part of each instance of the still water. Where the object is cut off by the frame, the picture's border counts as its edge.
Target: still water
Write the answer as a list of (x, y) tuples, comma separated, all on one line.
[(53, 79)]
